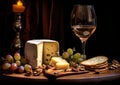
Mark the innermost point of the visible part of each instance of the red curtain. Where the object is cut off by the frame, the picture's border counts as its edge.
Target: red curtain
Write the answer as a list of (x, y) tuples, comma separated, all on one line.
[(44, 20), (40, 13)]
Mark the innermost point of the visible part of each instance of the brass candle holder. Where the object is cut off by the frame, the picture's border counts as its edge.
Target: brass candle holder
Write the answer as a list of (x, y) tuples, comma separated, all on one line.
[(17, 26), (18, 9)]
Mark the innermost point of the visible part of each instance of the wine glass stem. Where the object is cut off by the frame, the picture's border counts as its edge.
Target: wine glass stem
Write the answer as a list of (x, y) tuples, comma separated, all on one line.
[(83, 47)]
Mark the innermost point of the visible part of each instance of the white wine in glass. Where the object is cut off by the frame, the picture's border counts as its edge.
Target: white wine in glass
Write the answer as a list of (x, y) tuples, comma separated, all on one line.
[(83, 22)]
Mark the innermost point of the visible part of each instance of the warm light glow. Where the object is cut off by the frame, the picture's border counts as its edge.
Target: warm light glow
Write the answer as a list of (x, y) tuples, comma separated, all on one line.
[(19, 3), (18, 7)]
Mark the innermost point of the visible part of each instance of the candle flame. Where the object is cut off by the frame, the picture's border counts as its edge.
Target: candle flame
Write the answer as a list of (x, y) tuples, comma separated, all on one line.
[(19, 3)]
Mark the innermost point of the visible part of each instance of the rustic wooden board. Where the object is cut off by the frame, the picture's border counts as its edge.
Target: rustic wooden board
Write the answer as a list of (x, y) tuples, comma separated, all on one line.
[(60, 73), (80, 77)]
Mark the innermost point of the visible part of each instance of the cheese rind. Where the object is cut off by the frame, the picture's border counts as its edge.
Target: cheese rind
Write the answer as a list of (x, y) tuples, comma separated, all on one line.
[(39, 52)]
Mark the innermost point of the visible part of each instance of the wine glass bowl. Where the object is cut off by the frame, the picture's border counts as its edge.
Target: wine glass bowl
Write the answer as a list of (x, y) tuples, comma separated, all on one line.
[(83, 32), (83, 22)]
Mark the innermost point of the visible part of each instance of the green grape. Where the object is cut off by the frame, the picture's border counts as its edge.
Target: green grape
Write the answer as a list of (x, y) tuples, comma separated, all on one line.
[(27, 67), (84, 57), (17, 56), (71, 57), (9, 58), (6, 66), (79, 60), (76, 55), (70, 51), (18, 63), (65, 55)]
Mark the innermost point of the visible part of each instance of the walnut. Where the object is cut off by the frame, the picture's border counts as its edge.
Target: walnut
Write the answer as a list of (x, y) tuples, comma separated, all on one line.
[(115, 65)]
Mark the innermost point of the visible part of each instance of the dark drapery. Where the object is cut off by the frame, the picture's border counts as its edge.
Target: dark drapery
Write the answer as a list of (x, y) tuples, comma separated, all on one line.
[(42, 14), (44, 19)]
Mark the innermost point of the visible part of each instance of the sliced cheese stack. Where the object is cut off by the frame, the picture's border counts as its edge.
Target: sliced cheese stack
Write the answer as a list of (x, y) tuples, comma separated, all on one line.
[(97, 63), (39, 52), (59, 63)]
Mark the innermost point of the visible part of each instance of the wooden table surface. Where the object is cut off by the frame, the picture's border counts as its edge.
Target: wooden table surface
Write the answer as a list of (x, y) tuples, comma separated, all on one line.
[(90, 77)]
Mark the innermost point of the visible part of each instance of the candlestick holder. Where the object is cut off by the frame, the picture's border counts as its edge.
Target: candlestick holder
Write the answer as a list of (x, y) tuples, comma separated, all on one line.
[(17, 26)]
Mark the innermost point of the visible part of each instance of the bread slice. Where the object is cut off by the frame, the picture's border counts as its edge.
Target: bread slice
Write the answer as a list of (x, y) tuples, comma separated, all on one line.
[(102, 65), (103, 70), (94, 61), (97, 67)]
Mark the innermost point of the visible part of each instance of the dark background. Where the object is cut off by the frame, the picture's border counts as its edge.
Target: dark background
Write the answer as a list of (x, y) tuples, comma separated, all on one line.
[(105, 40)]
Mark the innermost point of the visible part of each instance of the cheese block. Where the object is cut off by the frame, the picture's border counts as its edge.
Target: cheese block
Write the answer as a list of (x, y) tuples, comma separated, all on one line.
[(39, 52), (59, 63)]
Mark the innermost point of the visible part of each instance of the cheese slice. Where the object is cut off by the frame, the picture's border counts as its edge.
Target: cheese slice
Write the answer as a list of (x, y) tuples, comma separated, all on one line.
[(55, 60), (59, 63), (39, 52), (62, 66)]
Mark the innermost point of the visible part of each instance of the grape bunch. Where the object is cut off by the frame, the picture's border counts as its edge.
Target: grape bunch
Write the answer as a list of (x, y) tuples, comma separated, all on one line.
[(72, 56), (15, 63)]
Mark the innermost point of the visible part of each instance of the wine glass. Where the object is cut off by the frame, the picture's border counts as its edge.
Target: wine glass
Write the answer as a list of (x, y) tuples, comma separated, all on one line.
[(83, 23)]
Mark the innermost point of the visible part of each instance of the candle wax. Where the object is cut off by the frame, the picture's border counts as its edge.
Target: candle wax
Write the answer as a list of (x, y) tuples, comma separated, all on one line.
[(18, 7)]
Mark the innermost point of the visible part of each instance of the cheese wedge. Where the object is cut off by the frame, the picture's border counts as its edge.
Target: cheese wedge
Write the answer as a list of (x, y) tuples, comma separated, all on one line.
[(59, 63)]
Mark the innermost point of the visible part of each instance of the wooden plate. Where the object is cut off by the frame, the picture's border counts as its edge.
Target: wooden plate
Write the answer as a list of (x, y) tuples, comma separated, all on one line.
[(59, 73)]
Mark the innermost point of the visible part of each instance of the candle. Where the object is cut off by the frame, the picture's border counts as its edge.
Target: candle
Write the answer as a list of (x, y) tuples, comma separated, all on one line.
[(18, 7)]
